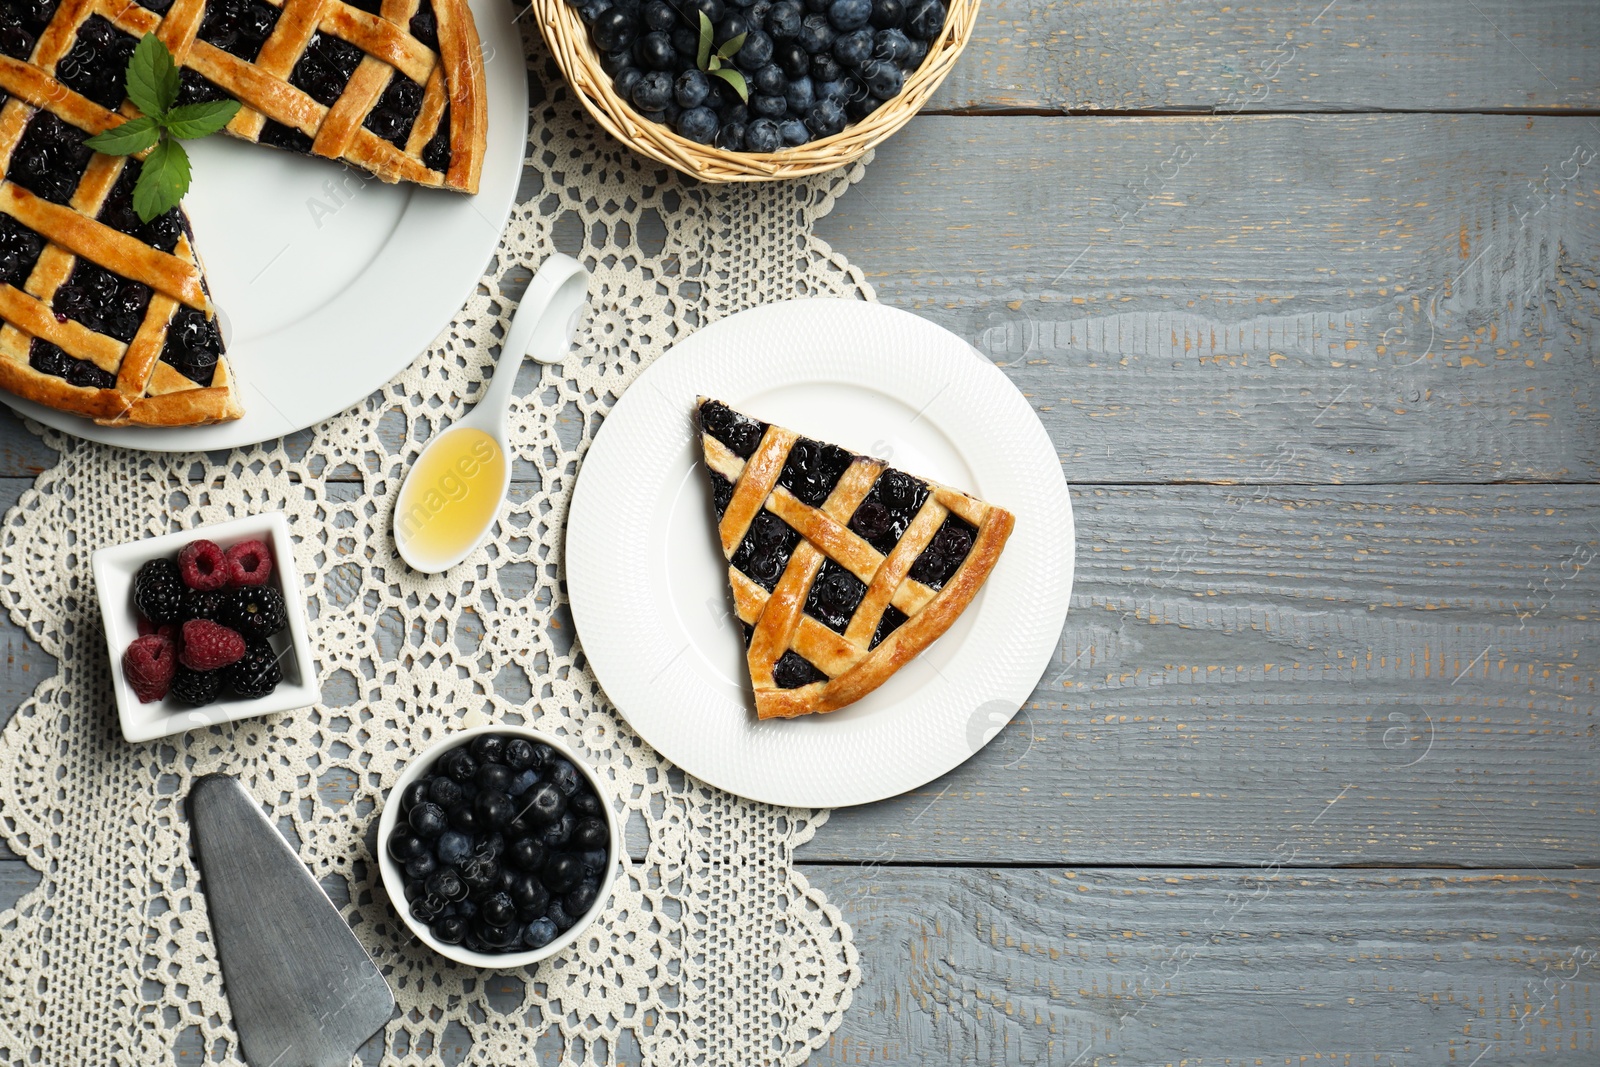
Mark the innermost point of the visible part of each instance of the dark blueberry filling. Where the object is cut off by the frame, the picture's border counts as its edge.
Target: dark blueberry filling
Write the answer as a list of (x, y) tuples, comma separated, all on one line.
[(436, 153), (834, 596), (19, 251), (104, 302), (793, 670), (396, 110), (162, 232), (765, 550), (721, 493), (196, 88), (749, 632), (424, 27), (98, 62), (371, 7), (325, 69), (740, 433), (286, 137), (944, 553), (892, 618), (35, 15), (15, 40), (882, 517), (813, 469), (193, 345), (50, 158), (158, 6), (239, 27), (46, 358)]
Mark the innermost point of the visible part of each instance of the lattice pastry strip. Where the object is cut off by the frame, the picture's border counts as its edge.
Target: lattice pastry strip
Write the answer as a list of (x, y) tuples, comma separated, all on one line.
[(842, 568)]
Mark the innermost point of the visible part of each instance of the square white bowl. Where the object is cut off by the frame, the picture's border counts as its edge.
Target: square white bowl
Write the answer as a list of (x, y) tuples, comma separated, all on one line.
[(114, 570)]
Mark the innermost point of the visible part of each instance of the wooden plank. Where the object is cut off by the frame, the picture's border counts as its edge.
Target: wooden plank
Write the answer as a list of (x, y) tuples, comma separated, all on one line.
[(1095, 968), (1394, 298), (1369, 676), (22, 452), (1417, 55)]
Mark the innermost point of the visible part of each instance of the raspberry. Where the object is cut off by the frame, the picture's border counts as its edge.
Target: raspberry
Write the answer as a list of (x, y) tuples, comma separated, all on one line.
[(165, 629), (249, 563), (197, 688), (158, 591), (148, 665), (202, 565), (257, 673), (256, 613), (209, 646)]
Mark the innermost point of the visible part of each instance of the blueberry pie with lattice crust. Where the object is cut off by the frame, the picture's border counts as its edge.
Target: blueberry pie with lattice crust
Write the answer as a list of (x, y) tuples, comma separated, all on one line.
[(843, 569), (108, 316)]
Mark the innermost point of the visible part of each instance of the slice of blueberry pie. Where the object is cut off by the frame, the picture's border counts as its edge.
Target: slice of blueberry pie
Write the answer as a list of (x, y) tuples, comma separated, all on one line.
[(843, 569), (110, 317)]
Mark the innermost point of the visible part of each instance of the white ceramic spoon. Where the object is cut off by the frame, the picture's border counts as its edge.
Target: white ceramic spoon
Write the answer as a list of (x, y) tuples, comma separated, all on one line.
[(453, 493)]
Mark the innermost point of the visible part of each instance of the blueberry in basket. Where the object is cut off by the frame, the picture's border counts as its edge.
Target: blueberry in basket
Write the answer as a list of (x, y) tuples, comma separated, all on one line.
[(503, 845), (204, 621), (758, 75)]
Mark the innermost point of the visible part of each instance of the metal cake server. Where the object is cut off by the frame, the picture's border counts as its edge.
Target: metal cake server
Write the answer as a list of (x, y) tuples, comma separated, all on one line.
[(304, 993)]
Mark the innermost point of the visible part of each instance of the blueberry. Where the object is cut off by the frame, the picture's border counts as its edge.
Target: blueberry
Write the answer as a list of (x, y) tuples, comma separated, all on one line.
[(714, 9), (496, 909), (686, 43), (425, 909), (801, 94), (519, 750), (449, 930), (463, 818), (592, 10), (415, 793), (467, 909), (883, 78), (596, 860), (892, 45), (755, 53), (670, 113), (482, 874), (658, 15), (558, 833), (404, 845), (653, 92), (824, 68), (459, 764), (585, 802), (539, 933), (698, 124), (453, 848), (731, 26), (428, 820), (837, 91), (655, 51), (565, 777), (542, 755), (762, 135), (493, 808), (793, 60), (794, 132), (562, 873), (446, 884), (559, 915), (522, 782), (525, 853), (887, 13), (528, 893), (444, 792), (853, 49), (692, 88), (591, 831), (784, 19), (421, 865), (925, 18), (919, 52), (581, 899), (614, 63), (614, 30), (847, 15), (861, 105), (495, 776), (498, 937), (816, 34), (771, 107), (546, 805), (489, 748), (730, 137)]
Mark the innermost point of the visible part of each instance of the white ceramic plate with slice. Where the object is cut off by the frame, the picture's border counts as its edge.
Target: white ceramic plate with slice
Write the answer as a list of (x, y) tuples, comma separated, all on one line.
[(330, 282), (648, 583)]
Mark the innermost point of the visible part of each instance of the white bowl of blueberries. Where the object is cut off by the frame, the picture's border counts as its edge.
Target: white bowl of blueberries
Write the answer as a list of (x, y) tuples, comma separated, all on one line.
[(498, 847)]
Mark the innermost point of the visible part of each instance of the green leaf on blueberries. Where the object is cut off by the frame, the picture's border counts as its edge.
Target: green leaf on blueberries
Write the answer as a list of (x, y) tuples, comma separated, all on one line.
[(163, 181), (731, 47), (705, 42), (199, 120), (152, 77), (735, 79), (129, 138)]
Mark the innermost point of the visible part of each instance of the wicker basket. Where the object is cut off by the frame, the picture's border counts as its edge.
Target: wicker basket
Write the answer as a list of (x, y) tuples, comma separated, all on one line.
[(569, 39)]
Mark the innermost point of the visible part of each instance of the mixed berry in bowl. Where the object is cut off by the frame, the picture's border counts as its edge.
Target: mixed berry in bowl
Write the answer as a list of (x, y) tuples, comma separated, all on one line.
[(760, 75), (205, 618), (497, 844)]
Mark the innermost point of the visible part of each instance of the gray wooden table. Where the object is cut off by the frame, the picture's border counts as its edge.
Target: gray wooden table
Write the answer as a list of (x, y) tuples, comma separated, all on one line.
[(1307, 298)]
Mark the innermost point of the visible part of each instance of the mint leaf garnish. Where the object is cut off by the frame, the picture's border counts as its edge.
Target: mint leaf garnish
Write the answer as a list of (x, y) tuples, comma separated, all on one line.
[(713, 62), (131, 137), (200, 120), (735, 79), (152, 85), (705, 42)]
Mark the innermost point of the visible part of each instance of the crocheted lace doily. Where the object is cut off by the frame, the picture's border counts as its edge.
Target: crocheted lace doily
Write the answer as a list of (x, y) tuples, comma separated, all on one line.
[(714, 948)]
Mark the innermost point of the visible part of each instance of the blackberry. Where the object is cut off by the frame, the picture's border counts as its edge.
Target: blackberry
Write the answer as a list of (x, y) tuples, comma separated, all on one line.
[(158, 591), (257, 674), (255, 611), (203, 604), (197, 688)]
